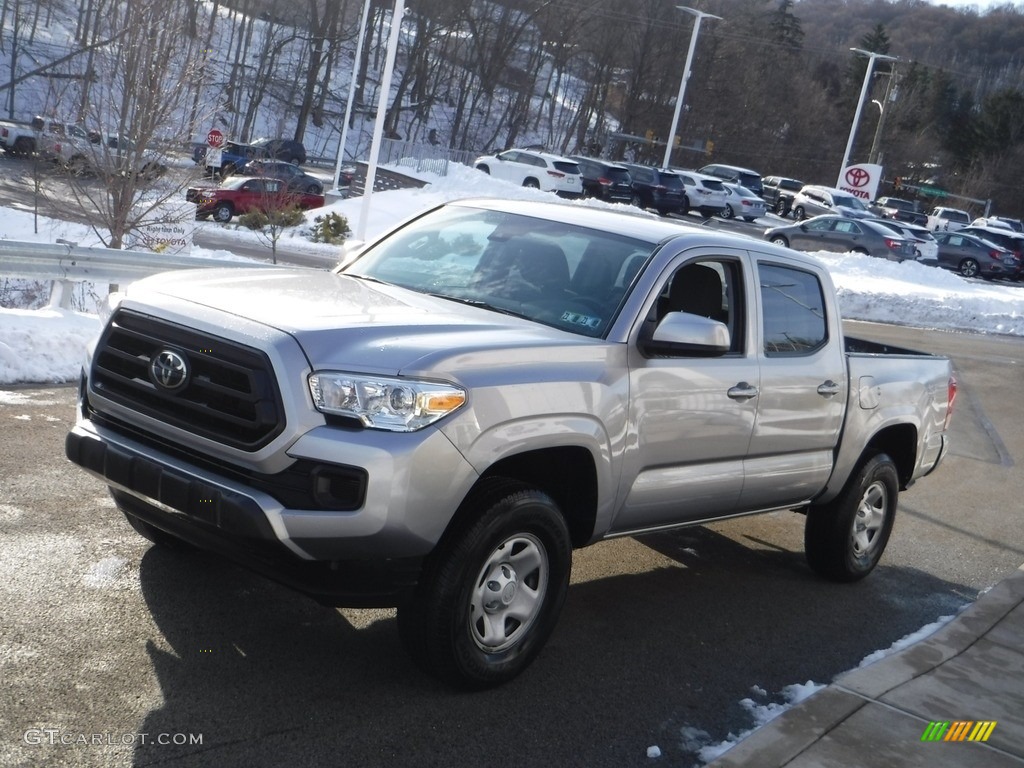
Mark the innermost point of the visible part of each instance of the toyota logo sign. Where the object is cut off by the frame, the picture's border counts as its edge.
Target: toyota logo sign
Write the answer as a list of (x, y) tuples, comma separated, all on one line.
[(857, 177), (169, 370)]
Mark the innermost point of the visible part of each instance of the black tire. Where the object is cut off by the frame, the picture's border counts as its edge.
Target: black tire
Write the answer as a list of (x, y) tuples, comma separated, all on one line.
[(969, 268), (845, 538), (315, 189), (799, 213), (24, 146), (484, 168), (637, 201), (491, 593), (149, 532), (153, 534), (780, 240), (726, 213), (684, 209), (531, 183), (781, 209), (861, 251), (223, 212)]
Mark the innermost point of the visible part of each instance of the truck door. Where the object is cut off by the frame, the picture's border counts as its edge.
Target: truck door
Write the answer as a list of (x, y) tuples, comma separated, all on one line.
[(802, 394), (691, 414)]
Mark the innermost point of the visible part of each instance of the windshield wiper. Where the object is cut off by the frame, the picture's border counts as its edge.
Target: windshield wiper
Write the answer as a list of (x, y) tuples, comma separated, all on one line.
[(481, 304)]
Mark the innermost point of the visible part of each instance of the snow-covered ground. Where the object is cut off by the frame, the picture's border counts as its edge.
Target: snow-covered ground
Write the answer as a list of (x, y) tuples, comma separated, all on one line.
[(47, 345)]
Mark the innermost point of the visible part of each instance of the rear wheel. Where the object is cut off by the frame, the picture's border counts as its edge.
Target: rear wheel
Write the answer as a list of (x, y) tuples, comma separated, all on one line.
[(845, 538), (727, 213), (969, 268), (483, 168), (531, 183), (490, 595), (780, 240), (24, 146), (639, 203)]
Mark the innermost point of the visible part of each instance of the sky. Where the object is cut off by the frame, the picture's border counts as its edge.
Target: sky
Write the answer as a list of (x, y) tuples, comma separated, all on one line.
[(48, 345)]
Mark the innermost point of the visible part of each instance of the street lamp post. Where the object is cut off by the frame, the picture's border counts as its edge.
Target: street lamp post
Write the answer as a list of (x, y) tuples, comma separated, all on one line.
[(872, 55), (686, 76), (351, 93)]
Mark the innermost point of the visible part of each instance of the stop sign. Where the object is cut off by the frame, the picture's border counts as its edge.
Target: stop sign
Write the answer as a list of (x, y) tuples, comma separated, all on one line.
[(215, 139)]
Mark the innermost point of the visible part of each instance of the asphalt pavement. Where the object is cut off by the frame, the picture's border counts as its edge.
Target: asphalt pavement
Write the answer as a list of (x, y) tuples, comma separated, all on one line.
[(931, 704)]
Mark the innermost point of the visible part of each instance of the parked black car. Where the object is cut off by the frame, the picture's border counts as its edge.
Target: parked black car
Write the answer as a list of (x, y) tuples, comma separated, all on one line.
[(657, 188), (606, 181), (778, 192), (289, 150), (234, 154), (296, 179)]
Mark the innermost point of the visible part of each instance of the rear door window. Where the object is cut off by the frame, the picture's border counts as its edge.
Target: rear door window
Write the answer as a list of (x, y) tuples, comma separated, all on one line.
[(793, 311)]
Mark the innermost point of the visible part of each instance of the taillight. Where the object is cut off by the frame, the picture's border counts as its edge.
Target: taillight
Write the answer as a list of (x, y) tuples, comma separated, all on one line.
[(950, 399), (605, 182), (997, 255), (556, 174), (661, 187), (895, 245)]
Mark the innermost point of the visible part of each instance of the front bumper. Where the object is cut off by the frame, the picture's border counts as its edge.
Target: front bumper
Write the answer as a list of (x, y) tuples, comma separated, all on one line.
[(370, 555)]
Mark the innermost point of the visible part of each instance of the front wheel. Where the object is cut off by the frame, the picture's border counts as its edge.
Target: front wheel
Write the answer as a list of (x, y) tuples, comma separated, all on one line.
[(223, 213), (490, 595), (799, 213), (780, 240), (845, 538)]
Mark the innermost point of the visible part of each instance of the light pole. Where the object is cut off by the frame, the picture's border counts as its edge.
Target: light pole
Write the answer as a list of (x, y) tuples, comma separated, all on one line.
[(351, 92), (686, 76), (860, 104)]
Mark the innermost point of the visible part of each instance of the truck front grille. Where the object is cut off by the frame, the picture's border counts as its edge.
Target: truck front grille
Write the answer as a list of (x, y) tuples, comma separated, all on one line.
[(204, 384)]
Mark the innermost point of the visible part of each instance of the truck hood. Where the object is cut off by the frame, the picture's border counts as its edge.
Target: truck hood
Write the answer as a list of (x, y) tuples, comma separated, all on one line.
[(354, 324)]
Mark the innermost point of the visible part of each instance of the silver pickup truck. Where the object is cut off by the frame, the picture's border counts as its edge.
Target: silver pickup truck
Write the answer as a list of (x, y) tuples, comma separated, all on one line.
[(439, 423)]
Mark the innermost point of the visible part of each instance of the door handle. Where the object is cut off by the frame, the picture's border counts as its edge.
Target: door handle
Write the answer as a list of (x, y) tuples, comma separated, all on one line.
[(742, 391), (828, 388)]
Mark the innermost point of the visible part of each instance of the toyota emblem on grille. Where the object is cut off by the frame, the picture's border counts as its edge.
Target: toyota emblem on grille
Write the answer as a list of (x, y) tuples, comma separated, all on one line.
[(169, 369)]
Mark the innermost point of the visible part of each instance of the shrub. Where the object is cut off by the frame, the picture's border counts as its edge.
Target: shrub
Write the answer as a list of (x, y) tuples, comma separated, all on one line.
[(330, 228)]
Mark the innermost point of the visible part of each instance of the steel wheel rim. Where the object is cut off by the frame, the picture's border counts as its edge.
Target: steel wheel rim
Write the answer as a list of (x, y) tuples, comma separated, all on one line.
[(869, 520), (509, 593)]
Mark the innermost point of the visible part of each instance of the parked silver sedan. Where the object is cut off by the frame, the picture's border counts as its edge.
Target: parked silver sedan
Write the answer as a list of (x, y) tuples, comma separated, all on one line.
[(741, 203), (840, 234)]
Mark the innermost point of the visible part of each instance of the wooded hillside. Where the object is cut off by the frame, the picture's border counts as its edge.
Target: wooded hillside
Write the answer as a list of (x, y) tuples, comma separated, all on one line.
[(774, 84)]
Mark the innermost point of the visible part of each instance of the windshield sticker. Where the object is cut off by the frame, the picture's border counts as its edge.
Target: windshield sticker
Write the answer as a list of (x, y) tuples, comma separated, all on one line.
[(575, 318)]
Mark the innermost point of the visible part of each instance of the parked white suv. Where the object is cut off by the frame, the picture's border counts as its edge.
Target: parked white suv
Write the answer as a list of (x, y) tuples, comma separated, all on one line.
[(704, 192), (530, 168), (814, 200)]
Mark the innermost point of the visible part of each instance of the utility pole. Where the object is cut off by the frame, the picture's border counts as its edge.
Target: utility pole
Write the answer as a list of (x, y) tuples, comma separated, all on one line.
[(875, 155)]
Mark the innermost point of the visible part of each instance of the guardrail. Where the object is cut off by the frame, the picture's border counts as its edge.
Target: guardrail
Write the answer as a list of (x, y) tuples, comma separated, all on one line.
[(65, 263)]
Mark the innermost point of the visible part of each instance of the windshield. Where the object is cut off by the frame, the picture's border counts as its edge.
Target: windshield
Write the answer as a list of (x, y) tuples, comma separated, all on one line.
[(558, 274), (848, 201)]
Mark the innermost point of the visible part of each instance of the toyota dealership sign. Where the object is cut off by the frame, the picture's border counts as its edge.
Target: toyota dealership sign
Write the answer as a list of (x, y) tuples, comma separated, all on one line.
[(861, 180)]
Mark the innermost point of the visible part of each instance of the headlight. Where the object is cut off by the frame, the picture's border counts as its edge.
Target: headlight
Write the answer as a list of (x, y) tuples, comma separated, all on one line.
[(397, 405)]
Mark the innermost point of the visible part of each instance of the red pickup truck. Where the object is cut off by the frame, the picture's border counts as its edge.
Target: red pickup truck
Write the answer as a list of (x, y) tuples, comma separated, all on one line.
[(246, 194)]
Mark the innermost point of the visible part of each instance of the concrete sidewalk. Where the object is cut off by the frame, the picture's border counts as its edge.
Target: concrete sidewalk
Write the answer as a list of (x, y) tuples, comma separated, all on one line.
[(970, 670)]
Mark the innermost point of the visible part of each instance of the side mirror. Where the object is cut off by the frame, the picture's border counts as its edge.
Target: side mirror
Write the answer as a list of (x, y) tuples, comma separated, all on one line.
[(692, 333)]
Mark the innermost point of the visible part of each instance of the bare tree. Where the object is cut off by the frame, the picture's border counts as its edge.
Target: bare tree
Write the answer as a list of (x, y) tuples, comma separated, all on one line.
[(142, 80)]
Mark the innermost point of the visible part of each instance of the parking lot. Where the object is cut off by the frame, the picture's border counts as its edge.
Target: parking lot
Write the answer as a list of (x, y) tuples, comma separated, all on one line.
[(113, 653)]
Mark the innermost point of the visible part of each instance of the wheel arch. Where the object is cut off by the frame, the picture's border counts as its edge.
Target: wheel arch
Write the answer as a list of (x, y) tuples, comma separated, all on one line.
[(899, 441), (568, 474)]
